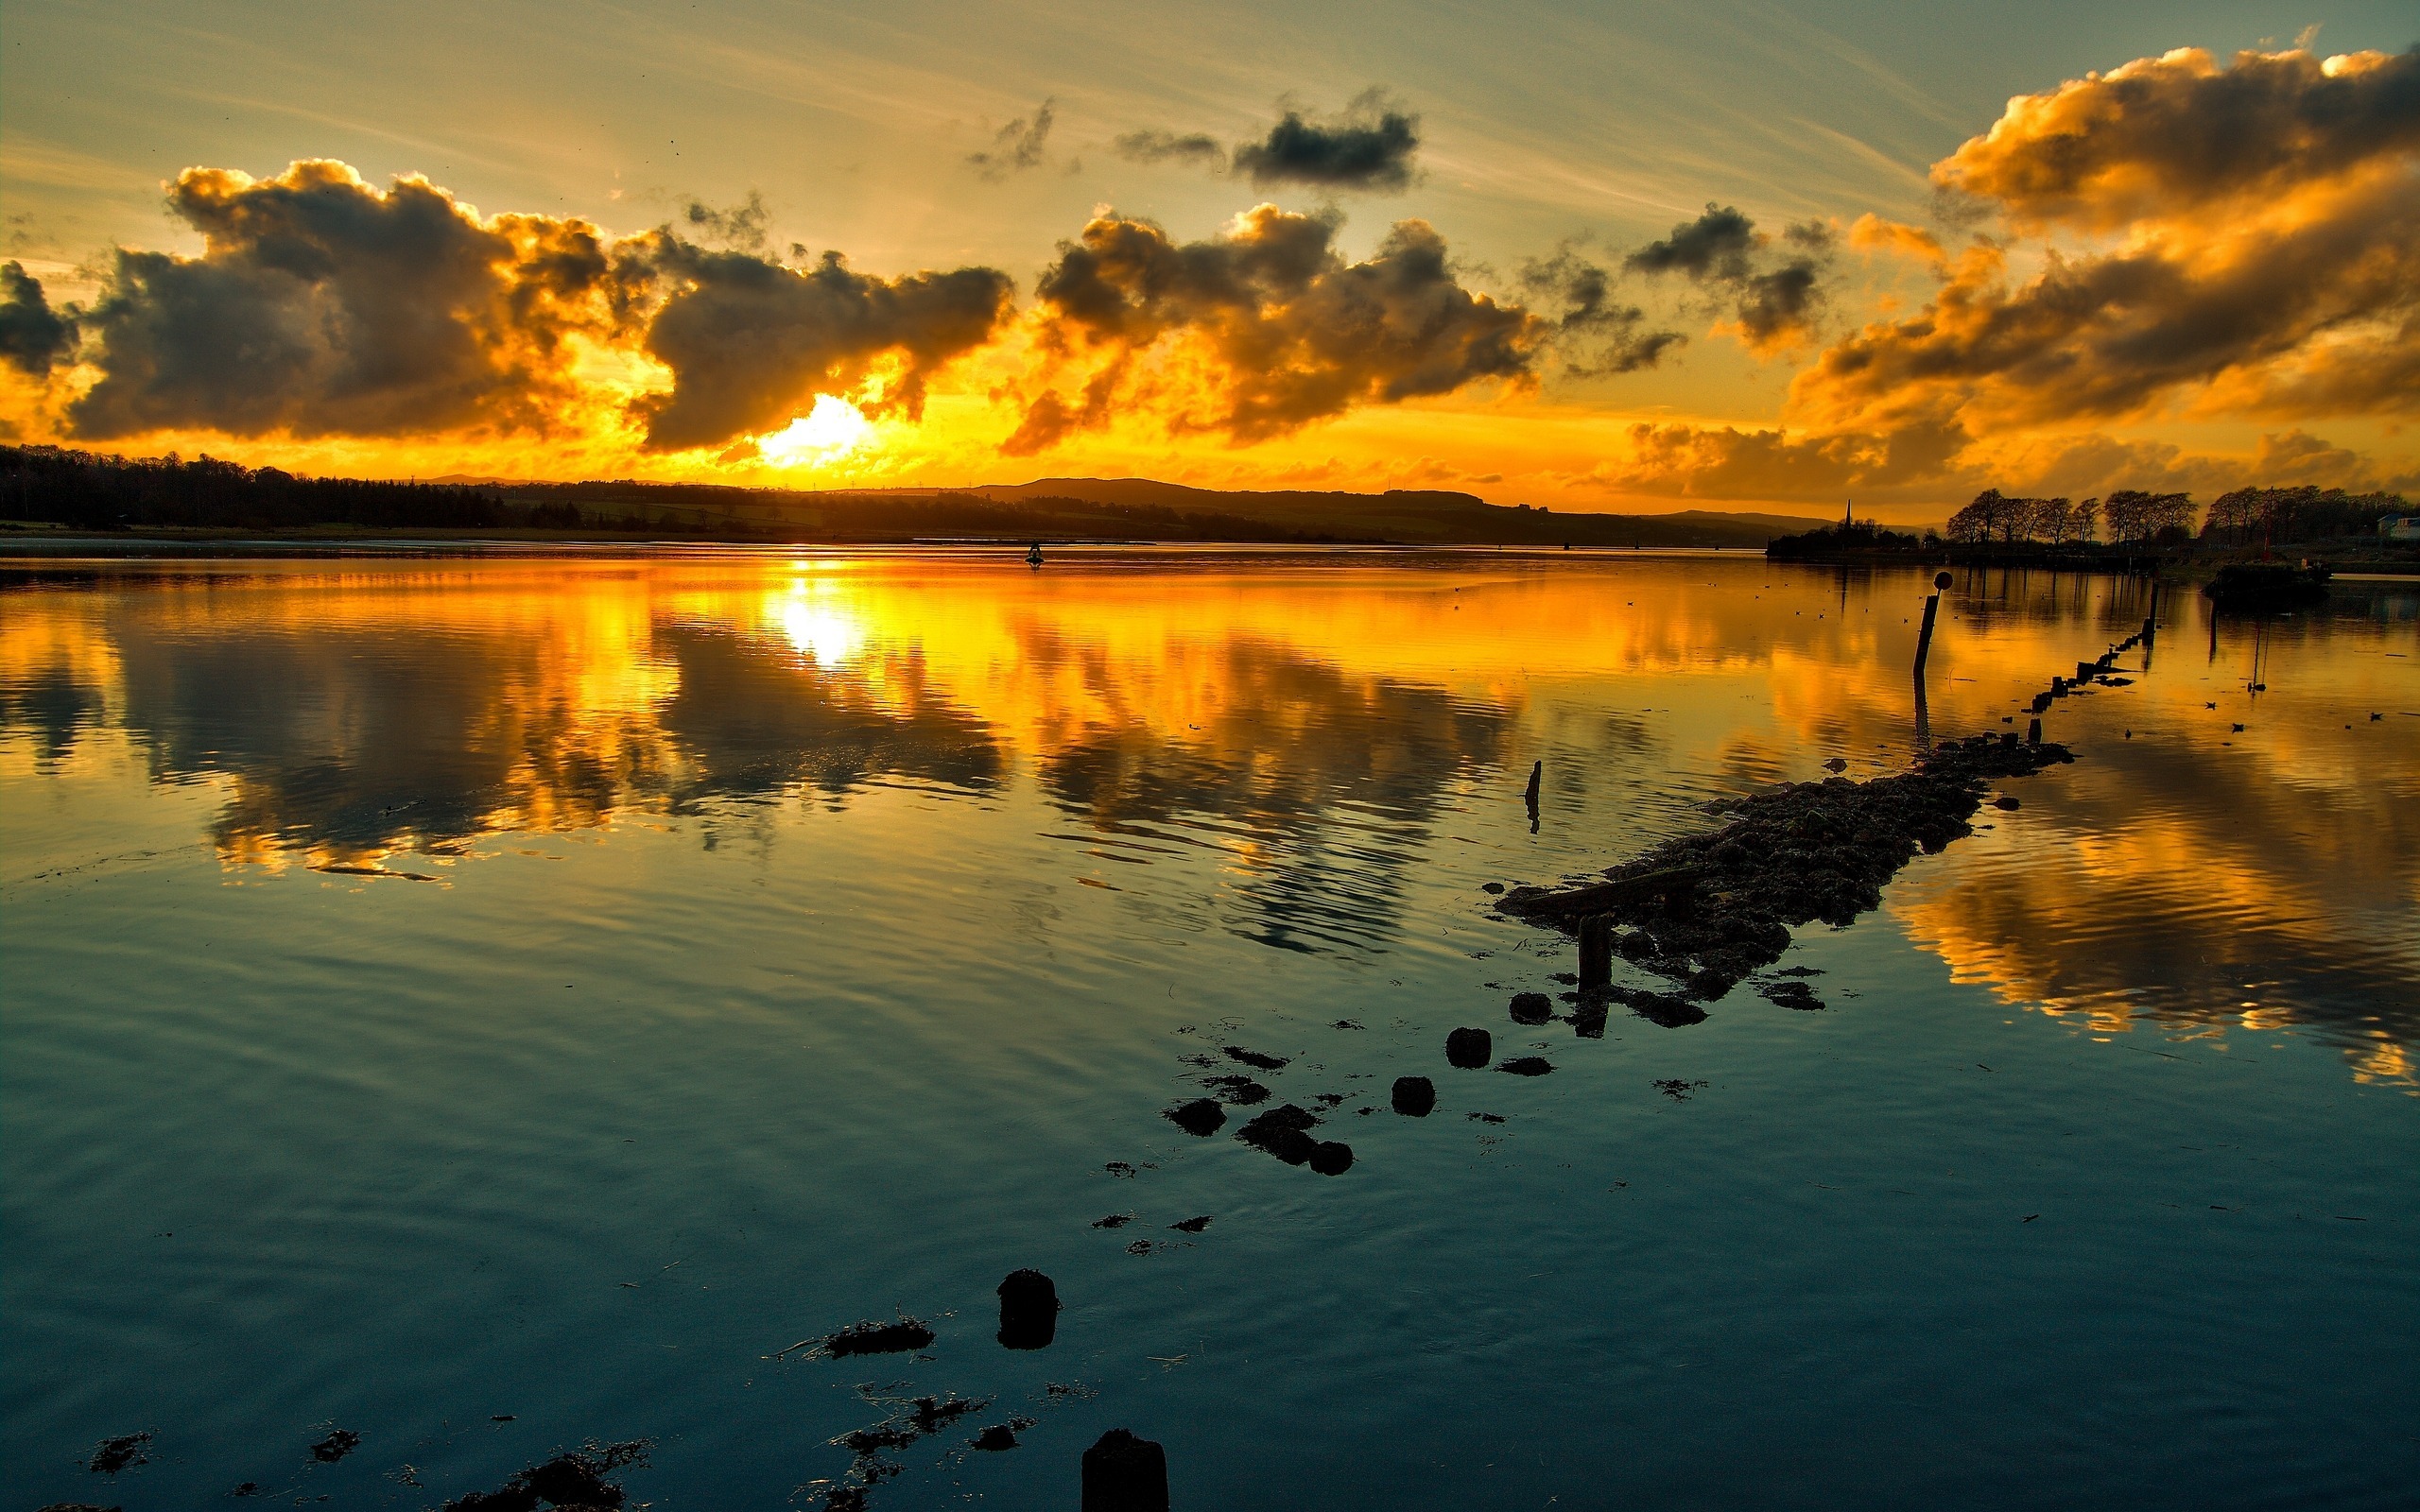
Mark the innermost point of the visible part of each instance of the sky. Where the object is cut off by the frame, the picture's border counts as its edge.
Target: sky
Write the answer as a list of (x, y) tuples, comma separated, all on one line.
[(1611, 256)]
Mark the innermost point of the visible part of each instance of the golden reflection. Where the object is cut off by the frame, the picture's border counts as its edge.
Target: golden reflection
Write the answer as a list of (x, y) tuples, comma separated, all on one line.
[(1306, 722)]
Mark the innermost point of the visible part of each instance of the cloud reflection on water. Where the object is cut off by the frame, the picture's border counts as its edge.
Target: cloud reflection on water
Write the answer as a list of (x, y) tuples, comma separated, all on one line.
[(1313, 733)]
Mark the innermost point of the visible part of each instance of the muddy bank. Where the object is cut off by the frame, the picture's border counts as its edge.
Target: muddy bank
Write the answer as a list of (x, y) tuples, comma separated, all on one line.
[(1705, 910)]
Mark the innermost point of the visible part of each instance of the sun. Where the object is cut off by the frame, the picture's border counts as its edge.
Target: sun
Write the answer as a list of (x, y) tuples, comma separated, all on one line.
[(832, 429)]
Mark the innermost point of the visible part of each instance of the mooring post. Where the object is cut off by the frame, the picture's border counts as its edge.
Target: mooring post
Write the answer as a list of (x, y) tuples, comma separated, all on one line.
[(2033, 733), (1537, 770), (1595, 953), (1124, 1473), (1932, 609)]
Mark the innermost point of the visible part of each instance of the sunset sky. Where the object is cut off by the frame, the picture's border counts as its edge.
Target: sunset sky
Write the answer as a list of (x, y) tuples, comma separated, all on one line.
[(1641, 257)]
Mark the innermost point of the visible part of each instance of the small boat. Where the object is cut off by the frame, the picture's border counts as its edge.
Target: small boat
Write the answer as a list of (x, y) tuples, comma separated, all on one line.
[(1033, 554), (2256, 586)]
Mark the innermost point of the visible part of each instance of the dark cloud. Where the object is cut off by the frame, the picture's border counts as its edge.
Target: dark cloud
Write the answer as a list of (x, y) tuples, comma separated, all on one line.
[(33, 337), (1194, 150), (1714, 245), (741, 227), (749, 339), (1263, 329), (1016, 147), (1369, 148), (1774, 306), (1597, 333), (320, 305), (2164, 135)]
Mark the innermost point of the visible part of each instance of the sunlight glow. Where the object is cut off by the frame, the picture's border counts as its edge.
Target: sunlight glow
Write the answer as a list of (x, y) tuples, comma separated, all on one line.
[(832, 429)]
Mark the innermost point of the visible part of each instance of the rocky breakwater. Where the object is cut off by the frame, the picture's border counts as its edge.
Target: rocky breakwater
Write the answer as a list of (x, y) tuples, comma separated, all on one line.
[(1703, 910)]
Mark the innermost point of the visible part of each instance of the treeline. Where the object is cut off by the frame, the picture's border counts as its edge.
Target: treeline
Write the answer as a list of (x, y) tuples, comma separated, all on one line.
[(92, 492), (2305, 513), (2133, 517), (1855, 538)]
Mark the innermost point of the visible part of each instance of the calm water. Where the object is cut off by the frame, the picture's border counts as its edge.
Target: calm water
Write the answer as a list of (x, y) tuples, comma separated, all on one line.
[(438, 990)]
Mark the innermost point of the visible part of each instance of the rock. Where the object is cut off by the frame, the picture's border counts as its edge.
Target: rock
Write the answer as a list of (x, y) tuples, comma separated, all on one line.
[(879, 1338), (1331, 1158), (995, 1438), (1028, 1311), (1660, 1009), (1191, 1225), (1469, 1048), (1254, 1059), (336, 1445), (576, 1479), (2005, 801), (1283, 1132), (1792, 995), (1200, 1118), (1531, 1007), (122, 1453), (1836, 765), (1115, 1220), (1123, 1473), (1527, 1066), (1236, 1091), (1491, 886), (1414, 1097)]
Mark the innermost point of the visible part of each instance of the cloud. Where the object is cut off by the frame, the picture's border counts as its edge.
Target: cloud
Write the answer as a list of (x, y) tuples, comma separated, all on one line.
[(748, 340), (320, 305), (1016, 147), (1870, 233), (1261, 329), (1192, 150), (2161, 136), (2267, 258), (1773, 307), (33, 337), (741, 227), (1597, 333), (1369, 148)]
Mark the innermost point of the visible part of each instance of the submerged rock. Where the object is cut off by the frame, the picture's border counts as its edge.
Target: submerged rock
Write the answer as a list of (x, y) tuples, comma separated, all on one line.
[(897, 1337), (1659, 1008), (1414, 1097), (1283, 1132), (1254, 1059), (122, 1453), (336, 1445), (1469, 1048), (577, 1479), (1191, 1225), (1792, 995), (1236, 1091), (1531, 1007), (1201, 1118), (1527, 1066), (1331, 1158)]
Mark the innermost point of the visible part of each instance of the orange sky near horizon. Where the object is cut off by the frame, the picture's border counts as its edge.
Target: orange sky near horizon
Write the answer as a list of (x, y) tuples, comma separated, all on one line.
[(2193, 269)]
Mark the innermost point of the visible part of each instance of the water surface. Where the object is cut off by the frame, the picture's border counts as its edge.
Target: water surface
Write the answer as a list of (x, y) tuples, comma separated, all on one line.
[(446, 990)]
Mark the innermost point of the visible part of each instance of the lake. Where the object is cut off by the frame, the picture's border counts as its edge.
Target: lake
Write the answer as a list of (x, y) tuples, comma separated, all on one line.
[(486, 1005)]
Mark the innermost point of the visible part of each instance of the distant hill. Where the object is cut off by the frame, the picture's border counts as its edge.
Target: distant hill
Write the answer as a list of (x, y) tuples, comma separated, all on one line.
[(1422, 516), (49, 484)]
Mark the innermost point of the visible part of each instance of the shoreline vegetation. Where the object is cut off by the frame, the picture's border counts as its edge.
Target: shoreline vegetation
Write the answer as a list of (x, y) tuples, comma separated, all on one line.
[(2146, 533), (49, 491)]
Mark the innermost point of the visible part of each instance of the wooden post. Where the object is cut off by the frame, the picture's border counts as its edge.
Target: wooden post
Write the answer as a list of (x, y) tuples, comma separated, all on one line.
[(1932, 609), (1537, 770), (1595, 953), (1124, 1473), (2033, 733)]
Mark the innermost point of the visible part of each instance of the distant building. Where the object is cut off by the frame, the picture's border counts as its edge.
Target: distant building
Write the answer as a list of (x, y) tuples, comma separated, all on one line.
[(2399, 526)]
